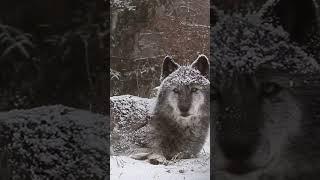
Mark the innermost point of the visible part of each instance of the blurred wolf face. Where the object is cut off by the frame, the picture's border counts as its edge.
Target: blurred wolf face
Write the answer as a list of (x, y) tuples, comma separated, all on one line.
[(263, 99), (255, 118)]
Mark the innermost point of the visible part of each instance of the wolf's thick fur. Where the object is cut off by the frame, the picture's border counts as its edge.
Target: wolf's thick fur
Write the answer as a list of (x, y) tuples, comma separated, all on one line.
[(173, 125), (265, 96), (179, 121), (181, 114)]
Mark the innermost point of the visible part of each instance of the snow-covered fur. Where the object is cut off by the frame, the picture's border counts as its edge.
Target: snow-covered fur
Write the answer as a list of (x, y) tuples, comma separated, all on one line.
[(180, 118), (265, 96)]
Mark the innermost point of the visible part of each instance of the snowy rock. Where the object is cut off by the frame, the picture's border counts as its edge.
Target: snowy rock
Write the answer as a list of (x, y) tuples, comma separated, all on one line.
[(130, 116), (54, 142)]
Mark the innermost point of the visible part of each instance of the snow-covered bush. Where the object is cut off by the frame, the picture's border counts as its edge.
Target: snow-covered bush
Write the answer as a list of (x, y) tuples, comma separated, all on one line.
[(53, 142)]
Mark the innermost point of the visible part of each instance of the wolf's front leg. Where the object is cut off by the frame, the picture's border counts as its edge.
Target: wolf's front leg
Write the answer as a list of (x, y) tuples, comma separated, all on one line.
[(140, 153), (157, 158), (153, 157)]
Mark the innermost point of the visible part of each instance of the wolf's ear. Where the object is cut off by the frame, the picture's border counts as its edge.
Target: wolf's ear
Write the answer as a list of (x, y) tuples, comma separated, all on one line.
[(201, 64), (297, 17), (168, 67)]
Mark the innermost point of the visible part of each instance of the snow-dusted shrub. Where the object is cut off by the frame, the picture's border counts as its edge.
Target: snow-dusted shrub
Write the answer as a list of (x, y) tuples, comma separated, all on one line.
[(53, 142)]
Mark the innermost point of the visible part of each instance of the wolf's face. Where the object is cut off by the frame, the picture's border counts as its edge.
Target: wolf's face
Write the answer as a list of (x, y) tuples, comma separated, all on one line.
[(184, 90), (186, 100), (258, 97), (255, 118)]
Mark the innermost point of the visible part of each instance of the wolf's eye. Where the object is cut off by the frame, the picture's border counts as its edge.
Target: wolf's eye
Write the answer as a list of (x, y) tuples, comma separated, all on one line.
[(194, 89), (176, 90), (270, 89)]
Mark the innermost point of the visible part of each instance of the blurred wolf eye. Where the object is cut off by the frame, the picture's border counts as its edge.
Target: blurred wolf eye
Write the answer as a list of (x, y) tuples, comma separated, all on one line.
[(270, 89), (194, 89)]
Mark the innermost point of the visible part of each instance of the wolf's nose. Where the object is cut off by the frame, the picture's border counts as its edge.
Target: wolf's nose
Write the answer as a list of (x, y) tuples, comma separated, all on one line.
[(185, 114), (184, 109)]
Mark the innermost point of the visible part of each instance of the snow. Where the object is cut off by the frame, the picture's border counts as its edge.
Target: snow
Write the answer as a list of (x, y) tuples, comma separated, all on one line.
[(120, 4), (185, 75), (124, 168)]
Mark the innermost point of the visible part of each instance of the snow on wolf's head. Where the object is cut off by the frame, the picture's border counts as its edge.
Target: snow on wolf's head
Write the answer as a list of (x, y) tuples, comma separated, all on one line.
[(184, 90), (261, 92)]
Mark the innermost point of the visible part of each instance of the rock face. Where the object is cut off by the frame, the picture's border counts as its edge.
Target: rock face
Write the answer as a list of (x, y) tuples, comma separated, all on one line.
[(130, 116), (53, 142)]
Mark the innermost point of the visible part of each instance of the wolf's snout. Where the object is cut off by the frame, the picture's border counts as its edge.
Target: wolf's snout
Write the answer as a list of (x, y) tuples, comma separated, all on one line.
[(239, 168), (237, 147), (241, 153), (184, 110), (185, 114), (238, 138)]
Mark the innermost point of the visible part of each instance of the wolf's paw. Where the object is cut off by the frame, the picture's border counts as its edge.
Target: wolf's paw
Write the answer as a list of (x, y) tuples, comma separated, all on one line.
[(156, 159), (140, 156)]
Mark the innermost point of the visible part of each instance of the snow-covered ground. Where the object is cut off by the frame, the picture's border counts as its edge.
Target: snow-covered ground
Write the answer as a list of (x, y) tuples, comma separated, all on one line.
[(125, 168)]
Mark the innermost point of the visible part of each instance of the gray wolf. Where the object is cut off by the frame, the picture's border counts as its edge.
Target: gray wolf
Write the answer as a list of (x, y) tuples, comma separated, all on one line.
[(264, 94), (179, 118)]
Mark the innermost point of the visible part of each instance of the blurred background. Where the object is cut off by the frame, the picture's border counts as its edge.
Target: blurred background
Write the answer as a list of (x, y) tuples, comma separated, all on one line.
[(53, 52)]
